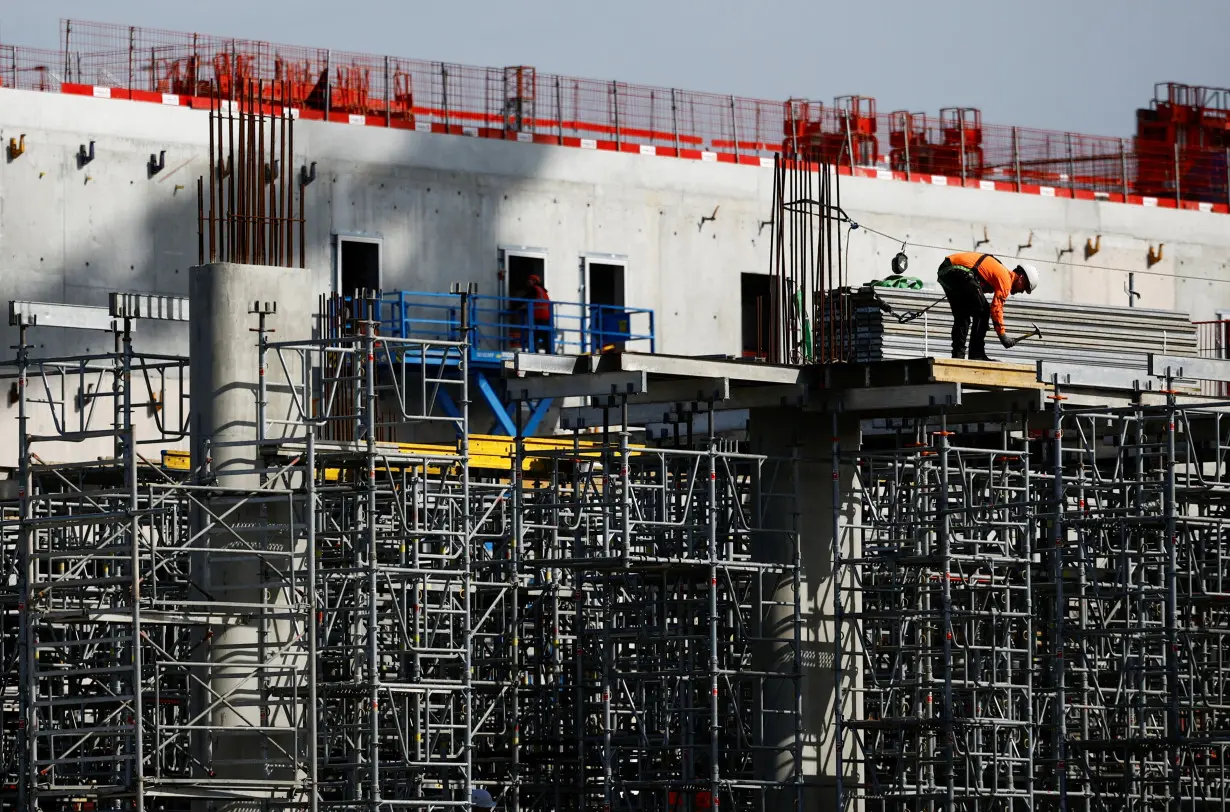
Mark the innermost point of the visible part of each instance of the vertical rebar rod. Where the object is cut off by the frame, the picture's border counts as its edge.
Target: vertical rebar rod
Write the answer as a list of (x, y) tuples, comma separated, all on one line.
[(258, 186), (200, 220), (232, 191), (213, 183), (293, 184)]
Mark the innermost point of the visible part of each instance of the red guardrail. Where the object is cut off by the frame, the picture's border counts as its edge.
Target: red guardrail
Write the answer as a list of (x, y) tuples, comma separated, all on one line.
[(520, 103)]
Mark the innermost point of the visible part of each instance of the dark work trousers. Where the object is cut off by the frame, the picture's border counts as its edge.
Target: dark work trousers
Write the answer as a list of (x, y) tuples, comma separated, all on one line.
[(970, 309), (543, 336)]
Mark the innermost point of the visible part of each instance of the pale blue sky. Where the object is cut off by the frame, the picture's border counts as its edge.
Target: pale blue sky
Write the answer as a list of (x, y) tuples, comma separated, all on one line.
[(1079, 65)]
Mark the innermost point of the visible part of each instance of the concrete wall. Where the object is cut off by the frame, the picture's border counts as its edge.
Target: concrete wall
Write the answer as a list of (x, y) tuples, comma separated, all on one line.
[(442, 205)]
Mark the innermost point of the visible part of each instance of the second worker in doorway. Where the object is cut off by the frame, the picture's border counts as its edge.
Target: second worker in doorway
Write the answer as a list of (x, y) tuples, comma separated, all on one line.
[(540, 314), (966, 277)]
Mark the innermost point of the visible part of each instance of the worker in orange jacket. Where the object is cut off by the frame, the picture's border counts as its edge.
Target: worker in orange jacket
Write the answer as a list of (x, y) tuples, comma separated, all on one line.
[(540, 314), (966, 277)]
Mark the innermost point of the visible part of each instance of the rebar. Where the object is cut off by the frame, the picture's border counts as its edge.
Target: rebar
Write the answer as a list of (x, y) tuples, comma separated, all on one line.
[(245, 209), (808, 314)]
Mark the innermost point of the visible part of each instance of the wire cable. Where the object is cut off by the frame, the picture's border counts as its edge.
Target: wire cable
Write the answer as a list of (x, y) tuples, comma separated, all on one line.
[(949, 248)]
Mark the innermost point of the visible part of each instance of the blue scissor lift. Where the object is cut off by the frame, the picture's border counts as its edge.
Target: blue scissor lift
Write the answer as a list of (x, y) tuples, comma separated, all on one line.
[(502, 326)]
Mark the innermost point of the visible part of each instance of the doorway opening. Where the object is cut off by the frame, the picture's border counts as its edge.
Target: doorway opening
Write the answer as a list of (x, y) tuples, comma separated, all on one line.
[(358, 265), (606, 319), (756, 291), (524, 326), (606, 284), (518, 270)]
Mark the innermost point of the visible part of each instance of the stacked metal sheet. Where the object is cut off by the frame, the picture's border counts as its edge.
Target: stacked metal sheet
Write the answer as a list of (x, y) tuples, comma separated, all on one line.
[(1071, 333)]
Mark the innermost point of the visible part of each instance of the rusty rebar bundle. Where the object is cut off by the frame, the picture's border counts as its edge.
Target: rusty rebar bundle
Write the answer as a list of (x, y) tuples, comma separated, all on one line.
[(250, 213), (810, 313)]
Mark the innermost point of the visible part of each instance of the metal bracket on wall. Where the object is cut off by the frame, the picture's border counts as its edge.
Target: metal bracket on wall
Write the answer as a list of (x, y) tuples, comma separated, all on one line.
[(17, 147), (85, 156)]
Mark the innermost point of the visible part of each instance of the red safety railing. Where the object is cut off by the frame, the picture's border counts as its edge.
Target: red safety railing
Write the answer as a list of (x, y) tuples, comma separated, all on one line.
[(521, 103), (29, 69), (1213, 341)]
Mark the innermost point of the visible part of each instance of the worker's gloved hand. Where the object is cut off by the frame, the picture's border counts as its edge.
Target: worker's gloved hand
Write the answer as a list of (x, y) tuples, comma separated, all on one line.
[(1006, 342)]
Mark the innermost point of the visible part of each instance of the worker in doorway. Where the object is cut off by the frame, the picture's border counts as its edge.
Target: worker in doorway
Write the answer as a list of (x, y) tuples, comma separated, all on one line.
[(481, 799), (540, 314), (966, 277)]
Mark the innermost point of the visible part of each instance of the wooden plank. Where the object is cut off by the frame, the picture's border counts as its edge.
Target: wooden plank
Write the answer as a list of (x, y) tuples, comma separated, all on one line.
[(989, 374)]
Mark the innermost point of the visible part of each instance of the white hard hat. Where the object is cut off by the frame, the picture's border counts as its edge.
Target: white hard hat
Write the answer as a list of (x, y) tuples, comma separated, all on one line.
[(1031, 277)]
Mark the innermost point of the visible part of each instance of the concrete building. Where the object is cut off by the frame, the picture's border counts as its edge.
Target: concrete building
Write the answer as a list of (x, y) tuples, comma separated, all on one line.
[(445, 208), (862, 605)]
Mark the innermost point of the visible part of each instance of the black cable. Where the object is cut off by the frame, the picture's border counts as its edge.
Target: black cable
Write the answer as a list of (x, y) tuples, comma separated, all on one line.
[(949, 248)]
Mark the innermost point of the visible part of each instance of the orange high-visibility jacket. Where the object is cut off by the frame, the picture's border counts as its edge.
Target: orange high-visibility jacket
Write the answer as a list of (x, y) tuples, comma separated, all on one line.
[(995, 278), (542, 304)]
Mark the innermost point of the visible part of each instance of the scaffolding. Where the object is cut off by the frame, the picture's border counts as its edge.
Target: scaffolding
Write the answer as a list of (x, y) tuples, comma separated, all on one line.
[(1037, 612), (329, 612), (667, 672), (393, 574), (126, 687)]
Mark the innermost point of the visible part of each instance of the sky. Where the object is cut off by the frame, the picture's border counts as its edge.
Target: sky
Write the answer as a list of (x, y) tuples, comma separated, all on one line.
[(1074, 65)]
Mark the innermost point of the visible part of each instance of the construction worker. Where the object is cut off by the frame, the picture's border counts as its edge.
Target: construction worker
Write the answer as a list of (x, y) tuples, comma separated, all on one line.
[(481, 799), (541, 314), (965, 278)]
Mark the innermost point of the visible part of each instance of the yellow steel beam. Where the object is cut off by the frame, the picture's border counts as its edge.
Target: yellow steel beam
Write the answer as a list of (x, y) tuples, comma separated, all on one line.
[(487, 452)]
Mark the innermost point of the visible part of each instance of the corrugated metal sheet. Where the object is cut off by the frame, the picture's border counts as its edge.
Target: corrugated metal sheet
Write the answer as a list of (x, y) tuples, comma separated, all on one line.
[(1078, 334)]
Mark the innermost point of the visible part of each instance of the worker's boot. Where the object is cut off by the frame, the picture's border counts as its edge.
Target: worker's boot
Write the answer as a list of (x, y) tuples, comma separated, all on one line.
[(958, 340), (978, 349)]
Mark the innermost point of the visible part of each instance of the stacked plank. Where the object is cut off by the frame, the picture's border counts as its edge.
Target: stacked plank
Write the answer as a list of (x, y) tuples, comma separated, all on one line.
[(1074, 334)]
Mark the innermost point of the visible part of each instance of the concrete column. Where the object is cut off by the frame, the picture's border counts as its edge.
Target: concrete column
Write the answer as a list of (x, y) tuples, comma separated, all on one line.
[(251, 661), (783, 433)]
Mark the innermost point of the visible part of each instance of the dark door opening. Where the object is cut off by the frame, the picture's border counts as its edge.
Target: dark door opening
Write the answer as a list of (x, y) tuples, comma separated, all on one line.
[(756, 306), (359, 265), (606, 284), (608, 322), (520, 268), (525, 328)]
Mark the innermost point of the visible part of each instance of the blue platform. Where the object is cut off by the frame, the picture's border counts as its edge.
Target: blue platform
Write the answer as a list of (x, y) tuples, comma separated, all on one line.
[(502, 326)]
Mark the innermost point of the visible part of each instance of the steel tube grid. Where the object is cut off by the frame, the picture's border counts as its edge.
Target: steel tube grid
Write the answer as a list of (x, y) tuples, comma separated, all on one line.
[(653, 561), (1082, 641), (619, 622)]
